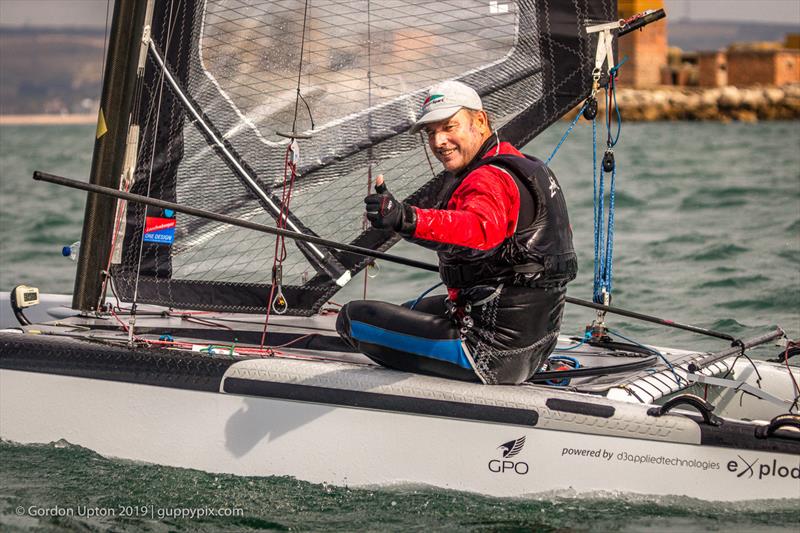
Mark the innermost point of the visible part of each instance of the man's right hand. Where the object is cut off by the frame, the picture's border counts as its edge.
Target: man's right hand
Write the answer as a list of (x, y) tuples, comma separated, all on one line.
[(385, 212)]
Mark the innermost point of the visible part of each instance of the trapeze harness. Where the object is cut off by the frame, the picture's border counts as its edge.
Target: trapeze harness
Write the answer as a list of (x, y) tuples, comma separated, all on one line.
[(505, 319)]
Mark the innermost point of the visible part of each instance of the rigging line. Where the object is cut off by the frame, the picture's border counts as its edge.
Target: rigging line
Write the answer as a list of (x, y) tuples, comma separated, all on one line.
[(566, 133), (730, 369), (105, 45), (300, 72), (608, 254), (128, 181), (364, 223), (114, 292), (278, 301), (597, 194), (619, 119), (608, 92), (678, 379), (786, 362), (603, 242), (425, 293), (269, 308), (245, 175), (137, 100), (369, 72), (120, 214), (170, 27), (99, 189), (427, 155), (291, 158), (121, 210), (742, 353)]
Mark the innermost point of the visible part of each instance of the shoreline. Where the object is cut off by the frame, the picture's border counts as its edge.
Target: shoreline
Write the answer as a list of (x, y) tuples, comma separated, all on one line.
[(664, 103), (715, 104), (704, 104), (48, 119)]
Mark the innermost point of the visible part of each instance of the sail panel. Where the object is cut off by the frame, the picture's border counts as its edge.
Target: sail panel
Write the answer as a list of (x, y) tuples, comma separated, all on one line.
[(363, 68), (356, 55)]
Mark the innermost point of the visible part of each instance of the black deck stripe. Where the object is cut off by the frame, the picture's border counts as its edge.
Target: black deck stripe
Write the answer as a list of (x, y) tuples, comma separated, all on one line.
[(580, 408), (741, 436), (383, 402), (64, 356)]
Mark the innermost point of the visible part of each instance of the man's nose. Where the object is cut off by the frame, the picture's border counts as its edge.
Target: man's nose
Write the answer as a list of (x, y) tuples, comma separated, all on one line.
[(439, 138)]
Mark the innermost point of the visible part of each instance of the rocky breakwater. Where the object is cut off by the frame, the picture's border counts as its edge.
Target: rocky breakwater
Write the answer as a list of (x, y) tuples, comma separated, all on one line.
[(747, 104)]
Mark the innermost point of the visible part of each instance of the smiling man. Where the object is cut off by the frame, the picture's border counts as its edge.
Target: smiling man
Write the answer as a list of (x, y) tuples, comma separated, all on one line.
[(500, 227)]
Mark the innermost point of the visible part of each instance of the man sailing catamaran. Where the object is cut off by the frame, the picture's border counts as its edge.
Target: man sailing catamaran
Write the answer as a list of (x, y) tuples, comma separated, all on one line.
[(500, 228)]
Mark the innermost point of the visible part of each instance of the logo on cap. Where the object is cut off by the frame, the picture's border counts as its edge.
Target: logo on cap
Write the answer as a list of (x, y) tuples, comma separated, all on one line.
[(431, 100)]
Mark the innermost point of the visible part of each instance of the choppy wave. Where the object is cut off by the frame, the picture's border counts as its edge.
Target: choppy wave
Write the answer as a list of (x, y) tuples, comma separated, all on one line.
[(61, 475), (719, 251), (699, 240), (733, 282)]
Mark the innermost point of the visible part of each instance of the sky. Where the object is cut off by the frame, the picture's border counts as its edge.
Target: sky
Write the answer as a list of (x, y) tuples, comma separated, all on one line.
[(93, 12), (778, 11)]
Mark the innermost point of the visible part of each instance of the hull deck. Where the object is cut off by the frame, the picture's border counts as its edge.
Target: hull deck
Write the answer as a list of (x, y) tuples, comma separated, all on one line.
[(310, 409)]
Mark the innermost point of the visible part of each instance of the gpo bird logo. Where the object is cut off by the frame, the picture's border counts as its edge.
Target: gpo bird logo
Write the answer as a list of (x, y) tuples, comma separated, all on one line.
[(512, 447), (506, 464)]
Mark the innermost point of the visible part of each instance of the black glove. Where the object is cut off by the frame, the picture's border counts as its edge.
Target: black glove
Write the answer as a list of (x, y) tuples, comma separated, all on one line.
[(384, 212)]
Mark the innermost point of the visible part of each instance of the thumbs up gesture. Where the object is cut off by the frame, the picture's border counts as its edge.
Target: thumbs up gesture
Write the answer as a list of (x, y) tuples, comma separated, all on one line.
[(385, 212)]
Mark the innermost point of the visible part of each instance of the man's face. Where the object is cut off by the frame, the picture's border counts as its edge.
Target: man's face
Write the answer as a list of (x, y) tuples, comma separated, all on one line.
[(455, 141)]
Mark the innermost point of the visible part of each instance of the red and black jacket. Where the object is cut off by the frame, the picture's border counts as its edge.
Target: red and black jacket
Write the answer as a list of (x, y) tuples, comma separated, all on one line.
[(501, 219)]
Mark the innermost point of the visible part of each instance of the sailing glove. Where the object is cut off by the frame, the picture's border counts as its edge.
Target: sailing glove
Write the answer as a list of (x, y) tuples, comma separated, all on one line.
[(384, 212)]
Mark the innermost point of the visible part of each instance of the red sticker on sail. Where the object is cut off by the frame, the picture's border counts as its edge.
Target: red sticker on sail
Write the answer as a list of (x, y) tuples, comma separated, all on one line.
[(159, 230)]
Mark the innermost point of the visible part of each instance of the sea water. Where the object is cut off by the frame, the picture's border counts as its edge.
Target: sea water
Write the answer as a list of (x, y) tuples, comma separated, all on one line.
[(707, 233)]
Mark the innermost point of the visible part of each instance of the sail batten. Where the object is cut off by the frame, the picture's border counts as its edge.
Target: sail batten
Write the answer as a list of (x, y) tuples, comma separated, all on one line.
[(364, 70)]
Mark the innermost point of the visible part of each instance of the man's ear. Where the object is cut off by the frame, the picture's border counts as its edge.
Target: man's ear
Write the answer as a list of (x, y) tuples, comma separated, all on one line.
[(483, 121)]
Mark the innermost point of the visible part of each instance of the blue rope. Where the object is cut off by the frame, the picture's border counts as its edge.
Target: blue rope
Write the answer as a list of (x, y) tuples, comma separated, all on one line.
[(598, 185), (612, 77), (564, 359), (586, 337), (613, 142), (617, 67), (425, 292), (566, 134), (607, 267), (678, 379), (603, 251), (619, 118)]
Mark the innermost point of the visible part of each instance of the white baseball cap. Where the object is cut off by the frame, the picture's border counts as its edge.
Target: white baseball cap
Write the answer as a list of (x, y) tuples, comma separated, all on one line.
[(445, 100)]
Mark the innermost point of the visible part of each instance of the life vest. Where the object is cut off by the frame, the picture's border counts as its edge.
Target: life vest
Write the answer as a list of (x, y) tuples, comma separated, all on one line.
[(538, 254)]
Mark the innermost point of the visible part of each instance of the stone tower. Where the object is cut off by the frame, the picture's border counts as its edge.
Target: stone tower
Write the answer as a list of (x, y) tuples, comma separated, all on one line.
[(646, 49)]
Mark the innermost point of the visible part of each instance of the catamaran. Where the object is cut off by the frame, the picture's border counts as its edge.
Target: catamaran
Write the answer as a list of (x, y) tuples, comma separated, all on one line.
[(235, 143)]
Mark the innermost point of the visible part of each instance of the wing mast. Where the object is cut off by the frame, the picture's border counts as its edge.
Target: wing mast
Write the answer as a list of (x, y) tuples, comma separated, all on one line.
[(122, 75)]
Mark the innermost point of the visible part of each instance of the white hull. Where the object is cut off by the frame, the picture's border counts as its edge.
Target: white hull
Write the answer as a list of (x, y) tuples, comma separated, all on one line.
[(628, 452)]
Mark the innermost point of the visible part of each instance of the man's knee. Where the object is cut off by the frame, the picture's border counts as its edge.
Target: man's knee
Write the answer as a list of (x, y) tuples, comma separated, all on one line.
[(358, 310), (343, 323)]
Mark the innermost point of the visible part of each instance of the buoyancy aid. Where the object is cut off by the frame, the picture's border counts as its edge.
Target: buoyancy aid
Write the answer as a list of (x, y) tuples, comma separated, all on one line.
[(539, 253)]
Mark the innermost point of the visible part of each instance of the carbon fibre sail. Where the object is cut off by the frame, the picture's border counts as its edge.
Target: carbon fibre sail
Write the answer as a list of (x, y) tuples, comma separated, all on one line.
[(224, 80)]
